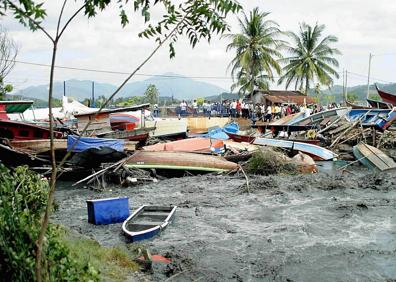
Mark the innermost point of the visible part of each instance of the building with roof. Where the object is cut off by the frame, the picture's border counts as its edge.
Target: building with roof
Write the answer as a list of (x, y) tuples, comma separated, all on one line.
[(269, 97)]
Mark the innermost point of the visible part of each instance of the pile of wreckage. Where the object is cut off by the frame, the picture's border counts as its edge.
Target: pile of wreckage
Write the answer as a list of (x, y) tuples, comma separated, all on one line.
[(127, 145)]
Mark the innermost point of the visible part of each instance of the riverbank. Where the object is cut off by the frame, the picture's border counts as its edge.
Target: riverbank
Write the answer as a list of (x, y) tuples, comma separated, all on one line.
[(336, 227)]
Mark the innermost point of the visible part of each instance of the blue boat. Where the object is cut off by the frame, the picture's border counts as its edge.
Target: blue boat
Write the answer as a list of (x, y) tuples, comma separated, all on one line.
[(316, 152), (147, 221), (368, 117)]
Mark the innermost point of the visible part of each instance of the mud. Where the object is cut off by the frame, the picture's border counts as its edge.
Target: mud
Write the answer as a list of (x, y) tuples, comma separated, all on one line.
[(319, 227)]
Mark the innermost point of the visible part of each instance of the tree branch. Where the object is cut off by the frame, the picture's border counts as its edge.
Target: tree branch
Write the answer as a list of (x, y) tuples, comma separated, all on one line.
[(31, 19), (60, 18), (69, 21), (160, 44)]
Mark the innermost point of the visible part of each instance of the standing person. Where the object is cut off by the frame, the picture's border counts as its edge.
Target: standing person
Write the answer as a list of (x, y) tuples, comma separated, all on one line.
[(183, 108), (233, 108), (195, 107), (238, 109), (245, 110), (268, 114), (258, 111), (263, 112), (288, 110), (156, 110)]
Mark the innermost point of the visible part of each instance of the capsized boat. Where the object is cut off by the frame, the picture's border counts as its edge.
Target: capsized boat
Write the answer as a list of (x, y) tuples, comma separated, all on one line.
[(373, 158), (199, 145), (179, 161), (316, 152), (147, 221)]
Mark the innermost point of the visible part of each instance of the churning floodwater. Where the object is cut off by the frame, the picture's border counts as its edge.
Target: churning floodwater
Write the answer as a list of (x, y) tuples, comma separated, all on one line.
[(321, 227)]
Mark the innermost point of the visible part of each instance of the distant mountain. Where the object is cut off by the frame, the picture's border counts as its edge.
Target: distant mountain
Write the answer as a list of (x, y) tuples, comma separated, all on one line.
[(168, 84)]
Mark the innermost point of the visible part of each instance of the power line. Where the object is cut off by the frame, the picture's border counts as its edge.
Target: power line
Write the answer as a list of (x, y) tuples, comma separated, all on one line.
[(121, 73), (163, 75)]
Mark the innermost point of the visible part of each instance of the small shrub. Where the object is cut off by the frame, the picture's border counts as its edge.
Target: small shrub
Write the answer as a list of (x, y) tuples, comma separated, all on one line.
[(268, 161), (23, 198)]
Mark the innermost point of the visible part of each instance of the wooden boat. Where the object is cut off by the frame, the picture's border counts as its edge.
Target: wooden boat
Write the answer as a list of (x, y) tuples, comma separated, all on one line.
[(287, 119), (316, 152), (140, 134), (13, 157), (368, 117), (321, 118), (179, 161), (123, 121), (233, 131), (373, 158), (147, 221), (18, 130), (199, 145), (386, 96)]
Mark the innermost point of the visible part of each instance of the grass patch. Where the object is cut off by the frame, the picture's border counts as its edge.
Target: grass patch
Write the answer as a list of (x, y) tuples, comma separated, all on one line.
[(114, 263), (268, 161)]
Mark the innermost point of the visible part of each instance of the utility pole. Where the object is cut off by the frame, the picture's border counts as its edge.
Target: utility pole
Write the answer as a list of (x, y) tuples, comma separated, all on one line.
[(93, 95), (346, 84), (64, 88), (368, 77)]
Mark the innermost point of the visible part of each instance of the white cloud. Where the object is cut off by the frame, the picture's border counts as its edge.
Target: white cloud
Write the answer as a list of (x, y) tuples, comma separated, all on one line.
[(362, 26)]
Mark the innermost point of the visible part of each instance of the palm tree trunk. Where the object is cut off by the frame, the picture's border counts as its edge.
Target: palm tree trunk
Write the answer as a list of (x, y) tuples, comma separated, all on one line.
[(306, 85)]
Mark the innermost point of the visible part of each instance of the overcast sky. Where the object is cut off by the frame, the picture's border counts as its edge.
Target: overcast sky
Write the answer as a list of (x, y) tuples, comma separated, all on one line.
[(362, 26)]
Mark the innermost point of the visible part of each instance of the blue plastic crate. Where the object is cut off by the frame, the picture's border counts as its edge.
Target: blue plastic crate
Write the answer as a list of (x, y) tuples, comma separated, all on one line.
[(108, 211)]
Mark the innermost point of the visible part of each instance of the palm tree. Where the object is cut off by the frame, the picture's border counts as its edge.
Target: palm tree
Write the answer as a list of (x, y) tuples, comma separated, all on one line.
[(312, 58), (257, 52)]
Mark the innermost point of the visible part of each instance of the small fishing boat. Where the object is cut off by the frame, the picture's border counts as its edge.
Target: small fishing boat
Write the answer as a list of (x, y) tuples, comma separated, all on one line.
[(147, 221), (233, 131), (373, 158), (386, 96), (179, 161), (316, 152), (321, 118), (368, 117), (199, 145)]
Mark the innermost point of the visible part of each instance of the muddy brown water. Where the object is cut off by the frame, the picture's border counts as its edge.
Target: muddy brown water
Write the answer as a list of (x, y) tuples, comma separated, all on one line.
[(288, 228)]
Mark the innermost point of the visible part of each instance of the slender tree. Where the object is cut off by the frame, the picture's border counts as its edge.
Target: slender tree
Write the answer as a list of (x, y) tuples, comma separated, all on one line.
[(312, 59), (257, 52), (194, 19)]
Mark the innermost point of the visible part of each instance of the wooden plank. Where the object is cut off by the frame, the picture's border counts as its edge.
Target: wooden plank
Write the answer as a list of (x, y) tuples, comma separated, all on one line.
[(377, 157)]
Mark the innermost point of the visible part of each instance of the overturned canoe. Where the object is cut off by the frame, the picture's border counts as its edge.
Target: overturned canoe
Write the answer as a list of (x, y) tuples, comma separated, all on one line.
[(199, 145), (147, 221), (316, 152), (180, 161), (373, 158)]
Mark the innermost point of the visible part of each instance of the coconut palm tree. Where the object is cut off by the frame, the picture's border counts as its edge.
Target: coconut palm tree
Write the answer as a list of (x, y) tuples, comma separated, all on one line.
[(257, 52), (312, 58)]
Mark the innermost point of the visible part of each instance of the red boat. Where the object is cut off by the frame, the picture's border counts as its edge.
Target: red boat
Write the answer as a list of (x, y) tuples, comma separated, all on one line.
[(16, 130), (19, 130), (241, 138), (387, 97)]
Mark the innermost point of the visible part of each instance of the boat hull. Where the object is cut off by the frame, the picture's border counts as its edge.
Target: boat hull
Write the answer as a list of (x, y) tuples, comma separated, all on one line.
[(316, 152), (147, 222), (373, 158), (387, 97), (180, 161)]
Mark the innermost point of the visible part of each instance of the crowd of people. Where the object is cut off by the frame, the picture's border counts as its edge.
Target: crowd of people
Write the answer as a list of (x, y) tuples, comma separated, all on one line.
[(239, 108)]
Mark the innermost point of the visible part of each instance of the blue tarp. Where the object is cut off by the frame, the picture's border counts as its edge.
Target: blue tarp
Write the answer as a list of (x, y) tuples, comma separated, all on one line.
[(86, 143)]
